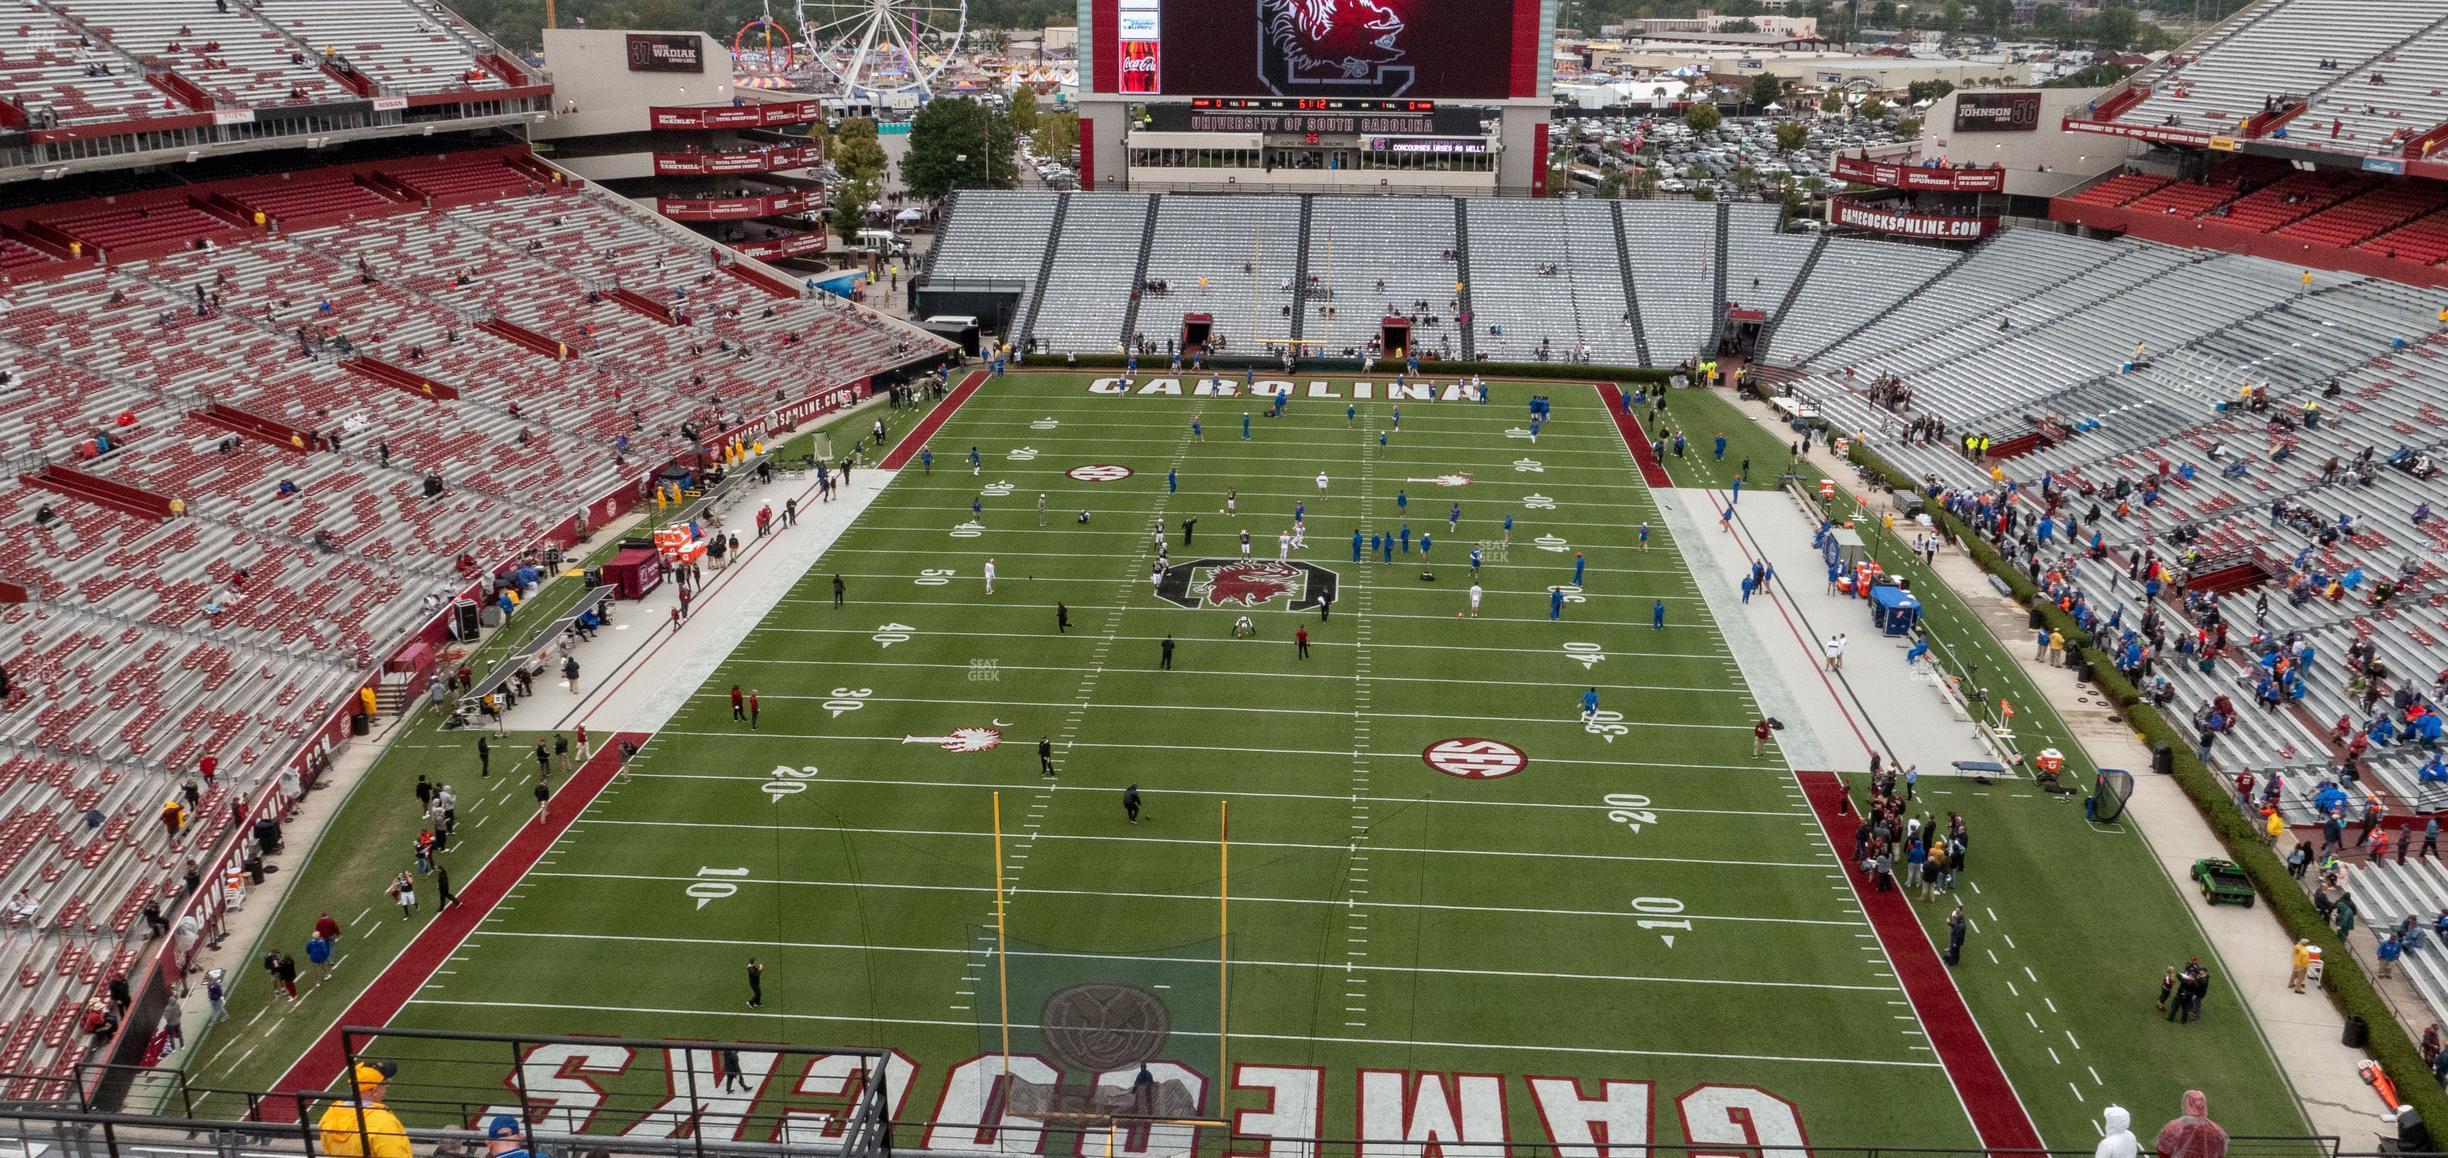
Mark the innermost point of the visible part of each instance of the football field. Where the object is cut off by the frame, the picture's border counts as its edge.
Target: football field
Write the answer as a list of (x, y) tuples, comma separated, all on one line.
[(1458, 908)]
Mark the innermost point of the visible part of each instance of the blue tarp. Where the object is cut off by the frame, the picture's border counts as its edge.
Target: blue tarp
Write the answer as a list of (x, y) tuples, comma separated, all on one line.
[(1893, 609)]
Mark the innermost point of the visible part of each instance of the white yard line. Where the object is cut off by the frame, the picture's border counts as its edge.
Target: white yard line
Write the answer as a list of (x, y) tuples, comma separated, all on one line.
[(1198, 898), (972, 834), (1211, 793)]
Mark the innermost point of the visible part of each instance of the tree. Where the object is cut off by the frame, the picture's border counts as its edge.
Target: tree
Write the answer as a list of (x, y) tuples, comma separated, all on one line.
[(2114, 29), (1908, 127), (1833, 102), (1704, 192), (856, 153), (957, 143), (1057, 134), (1023, 112), (1871, 107), (1926, 90), (850, 205), (1765, 89), (1703, 116), (1739, 26), (1791, 135)]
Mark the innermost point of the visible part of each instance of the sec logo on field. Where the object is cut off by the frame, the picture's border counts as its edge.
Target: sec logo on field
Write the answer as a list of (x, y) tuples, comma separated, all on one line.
[(1472, 758), (1099, 473)]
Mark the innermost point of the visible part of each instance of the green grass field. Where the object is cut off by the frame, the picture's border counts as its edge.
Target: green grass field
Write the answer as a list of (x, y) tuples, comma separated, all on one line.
[(1643, 907)]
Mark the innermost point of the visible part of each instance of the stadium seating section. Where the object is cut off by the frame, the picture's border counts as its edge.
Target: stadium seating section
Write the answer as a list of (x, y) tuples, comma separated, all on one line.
[(2399, 220), (2368, 78), (147, 642), (94, 62)]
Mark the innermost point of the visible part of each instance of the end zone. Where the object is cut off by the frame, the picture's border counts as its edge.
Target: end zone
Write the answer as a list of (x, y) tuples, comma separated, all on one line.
[(1652, 471), (908, 447)]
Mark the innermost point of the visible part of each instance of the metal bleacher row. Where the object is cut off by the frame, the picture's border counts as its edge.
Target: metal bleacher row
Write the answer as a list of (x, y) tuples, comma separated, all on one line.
[(2210, 325), (148, 640), (2325, 50), (79, 62), (1540, 280)]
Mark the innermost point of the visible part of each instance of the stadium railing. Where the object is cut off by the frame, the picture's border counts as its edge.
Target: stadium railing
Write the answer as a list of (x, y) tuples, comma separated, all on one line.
[(67, 1131)]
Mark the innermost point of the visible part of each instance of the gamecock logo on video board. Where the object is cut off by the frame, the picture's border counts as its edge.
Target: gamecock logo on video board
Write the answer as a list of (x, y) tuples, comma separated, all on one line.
[(1340, 48)]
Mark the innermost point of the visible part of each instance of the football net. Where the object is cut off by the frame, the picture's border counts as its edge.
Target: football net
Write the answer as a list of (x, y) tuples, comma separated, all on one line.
[(1102, 1037), (2111, 791)]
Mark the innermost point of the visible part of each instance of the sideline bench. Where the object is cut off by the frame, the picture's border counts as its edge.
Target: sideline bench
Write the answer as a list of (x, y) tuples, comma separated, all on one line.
[(471, 702)]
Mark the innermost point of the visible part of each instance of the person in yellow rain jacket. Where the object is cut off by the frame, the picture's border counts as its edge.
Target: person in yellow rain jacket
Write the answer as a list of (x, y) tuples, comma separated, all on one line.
[(378, 1133)]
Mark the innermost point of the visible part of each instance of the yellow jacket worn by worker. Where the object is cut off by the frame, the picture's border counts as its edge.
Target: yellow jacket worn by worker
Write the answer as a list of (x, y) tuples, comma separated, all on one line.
[(379, 1136)]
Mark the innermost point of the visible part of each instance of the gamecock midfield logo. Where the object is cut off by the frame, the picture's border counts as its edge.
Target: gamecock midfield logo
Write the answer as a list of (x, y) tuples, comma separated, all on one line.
[(1246, 584), (1350, 48)]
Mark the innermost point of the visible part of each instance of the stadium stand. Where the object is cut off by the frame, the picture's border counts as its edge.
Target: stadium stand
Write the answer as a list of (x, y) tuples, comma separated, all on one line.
[(2278, 48), (1366, 258), (255, 460), (1101, 240), (1673, 249), (1224, 257), (1371, 258)]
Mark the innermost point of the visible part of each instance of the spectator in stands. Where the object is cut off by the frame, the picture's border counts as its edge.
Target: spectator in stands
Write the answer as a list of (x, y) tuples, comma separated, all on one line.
[(363, 1127), (21, 908)]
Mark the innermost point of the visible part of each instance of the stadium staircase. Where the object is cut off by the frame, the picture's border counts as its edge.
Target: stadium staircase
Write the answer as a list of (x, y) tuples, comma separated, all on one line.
[(1139, 273), (1045, 267), (1300, 269), (943, 229), (1768, 329), (1623, 265), (1470, 342), (1925, 286), (1717, 298)]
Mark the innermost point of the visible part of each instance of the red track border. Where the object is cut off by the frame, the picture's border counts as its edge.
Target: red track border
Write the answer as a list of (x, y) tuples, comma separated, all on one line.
[(319, 1067), (918, 435), (1997, 1111), (1652, 471)]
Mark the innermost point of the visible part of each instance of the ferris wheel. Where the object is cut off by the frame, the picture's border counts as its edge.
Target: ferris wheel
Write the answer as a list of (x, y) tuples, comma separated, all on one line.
[(867, 49)]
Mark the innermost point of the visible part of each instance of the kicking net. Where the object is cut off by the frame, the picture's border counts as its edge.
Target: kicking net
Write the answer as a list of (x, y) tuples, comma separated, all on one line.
[(2108, 797), (1129, 1035)]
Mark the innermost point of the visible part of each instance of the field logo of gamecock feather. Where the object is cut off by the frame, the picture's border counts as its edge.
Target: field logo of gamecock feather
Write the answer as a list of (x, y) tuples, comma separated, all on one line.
[(1334, 47), (1246, 584)]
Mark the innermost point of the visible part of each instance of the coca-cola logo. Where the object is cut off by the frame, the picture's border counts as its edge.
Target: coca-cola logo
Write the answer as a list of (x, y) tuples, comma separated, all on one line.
[(1146, 64)]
